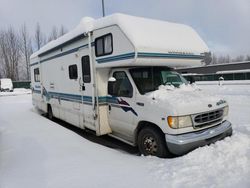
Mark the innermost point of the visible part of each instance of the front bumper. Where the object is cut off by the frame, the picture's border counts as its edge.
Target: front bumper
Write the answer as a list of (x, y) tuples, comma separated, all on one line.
[(183, 143)]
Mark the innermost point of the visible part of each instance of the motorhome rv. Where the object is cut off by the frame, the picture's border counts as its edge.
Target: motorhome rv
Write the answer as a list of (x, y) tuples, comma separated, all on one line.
[(114, 75)]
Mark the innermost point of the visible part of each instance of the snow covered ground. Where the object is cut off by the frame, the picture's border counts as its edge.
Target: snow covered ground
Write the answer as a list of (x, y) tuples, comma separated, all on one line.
[(35, 152), (17, 91)]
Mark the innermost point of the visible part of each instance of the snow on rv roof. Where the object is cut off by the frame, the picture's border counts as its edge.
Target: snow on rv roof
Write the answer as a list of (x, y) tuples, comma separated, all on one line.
[(84, 26), (147, 35)]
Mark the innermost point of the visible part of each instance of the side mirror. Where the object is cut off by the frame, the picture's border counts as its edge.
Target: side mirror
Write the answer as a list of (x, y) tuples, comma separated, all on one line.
[(111, 79)]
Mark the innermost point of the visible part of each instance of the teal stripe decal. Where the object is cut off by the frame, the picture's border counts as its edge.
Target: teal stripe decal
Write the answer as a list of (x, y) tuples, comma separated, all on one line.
[(116, 58), (78, 98), (61, 54), (148, 55), (128, 56), (34, 64), (175, 56), (36, 91)]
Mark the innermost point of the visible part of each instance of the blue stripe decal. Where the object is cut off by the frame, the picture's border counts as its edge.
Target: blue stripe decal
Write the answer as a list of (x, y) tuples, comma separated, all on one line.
[(74, 96), (127, 56), (61, 54), (34, 64), (88, 99), (38, 87), (77, 98), (162, 55), (36, 91), (116, 58), (148, 55)]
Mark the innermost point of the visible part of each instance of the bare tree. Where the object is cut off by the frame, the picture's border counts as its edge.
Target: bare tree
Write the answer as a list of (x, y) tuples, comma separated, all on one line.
[(26, 49), (214, 59), (239, 58), (56, 33), (53, 34), (1, 59), (222, 59), (62, 31), (10, 53), (208, 58), (247, 58), (227, 59), (39, 37)]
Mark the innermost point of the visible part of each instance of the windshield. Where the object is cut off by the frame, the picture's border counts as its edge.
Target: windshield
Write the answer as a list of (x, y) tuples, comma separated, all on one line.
[(150, 78)]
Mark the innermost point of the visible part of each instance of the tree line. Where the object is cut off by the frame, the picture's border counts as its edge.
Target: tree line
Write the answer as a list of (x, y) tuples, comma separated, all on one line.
[(16, 46), (221, 59)]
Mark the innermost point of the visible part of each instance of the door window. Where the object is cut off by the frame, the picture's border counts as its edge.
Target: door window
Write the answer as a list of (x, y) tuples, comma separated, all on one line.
[(86, 69), (73, 72), (36, 75), (122, 86)]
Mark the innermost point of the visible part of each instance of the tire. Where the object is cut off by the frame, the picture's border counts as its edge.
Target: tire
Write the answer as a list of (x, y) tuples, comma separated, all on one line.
[(50, 113), (152, 142)]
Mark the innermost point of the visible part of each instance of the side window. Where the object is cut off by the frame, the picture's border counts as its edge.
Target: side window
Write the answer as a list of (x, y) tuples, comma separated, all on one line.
[(86, 69), (121, 87), (104, 45), (36, 75), (73, 72)]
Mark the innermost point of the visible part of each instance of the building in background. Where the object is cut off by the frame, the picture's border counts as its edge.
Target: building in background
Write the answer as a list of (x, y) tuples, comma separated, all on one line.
[(229, 71)]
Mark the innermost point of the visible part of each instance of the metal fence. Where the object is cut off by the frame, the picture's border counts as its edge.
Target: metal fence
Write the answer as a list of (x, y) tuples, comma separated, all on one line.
[(21, 84), (215, 77)]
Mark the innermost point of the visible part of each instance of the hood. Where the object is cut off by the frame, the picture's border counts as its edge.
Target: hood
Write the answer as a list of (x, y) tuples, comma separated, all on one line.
[(185, 100)]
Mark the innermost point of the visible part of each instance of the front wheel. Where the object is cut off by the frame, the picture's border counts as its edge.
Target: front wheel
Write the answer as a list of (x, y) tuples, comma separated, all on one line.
[(151, 142)]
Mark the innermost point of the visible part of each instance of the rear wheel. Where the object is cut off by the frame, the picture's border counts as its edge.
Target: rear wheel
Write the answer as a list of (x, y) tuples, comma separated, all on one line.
[(50, 113), (151, 142)]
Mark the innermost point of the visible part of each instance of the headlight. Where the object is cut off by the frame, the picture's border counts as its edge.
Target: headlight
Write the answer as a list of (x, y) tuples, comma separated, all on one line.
[(177, 122), (225, 111)]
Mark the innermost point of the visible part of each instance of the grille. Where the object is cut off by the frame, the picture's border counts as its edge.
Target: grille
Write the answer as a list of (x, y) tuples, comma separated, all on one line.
[(208, 118)]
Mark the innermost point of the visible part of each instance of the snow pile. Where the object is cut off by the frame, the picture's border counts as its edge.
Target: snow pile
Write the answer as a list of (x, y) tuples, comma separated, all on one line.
[(85, 25), (17, 91), (36, 152), (183, 94), (182, 97), (223, 164)]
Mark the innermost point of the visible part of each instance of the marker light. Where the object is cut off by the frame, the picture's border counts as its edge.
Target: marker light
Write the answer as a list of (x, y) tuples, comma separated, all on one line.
[(225, 111)]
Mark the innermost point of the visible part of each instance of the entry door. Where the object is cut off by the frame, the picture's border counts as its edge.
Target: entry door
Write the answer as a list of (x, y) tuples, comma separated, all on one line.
[(87, 92), (121, 106)]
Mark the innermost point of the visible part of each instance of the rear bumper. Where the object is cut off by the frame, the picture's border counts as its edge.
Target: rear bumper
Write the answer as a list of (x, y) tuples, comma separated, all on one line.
[(183, 143)]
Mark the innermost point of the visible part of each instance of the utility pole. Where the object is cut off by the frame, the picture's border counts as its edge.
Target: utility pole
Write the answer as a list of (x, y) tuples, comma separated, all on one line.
[(103, 9)]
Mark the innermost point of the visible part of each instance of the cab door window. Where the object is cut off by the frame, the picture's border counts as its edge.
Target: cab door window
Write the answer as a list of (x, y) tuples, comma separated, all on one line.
[(121, 87)]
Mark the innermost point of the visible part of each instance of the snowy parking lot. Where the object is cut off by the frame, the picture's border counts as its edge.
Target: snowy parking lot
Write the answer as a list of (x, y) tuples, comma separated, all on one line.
[(36, 152)]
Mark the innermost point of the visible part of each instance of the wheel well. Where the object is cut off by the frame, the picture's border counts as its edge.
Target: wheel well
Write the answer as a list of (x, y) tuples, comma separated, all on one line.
[(143, 124)]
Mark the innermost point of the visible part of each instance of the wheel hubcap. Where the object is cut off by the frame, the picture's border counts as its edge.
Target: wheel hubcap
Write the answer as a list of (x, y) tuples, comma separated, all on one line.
[(150, 145)]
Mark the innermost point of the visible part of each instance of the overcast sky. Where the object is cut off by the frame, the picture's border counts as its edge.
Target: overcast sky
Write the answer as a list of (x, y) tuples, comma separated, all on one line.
[(223, 24)]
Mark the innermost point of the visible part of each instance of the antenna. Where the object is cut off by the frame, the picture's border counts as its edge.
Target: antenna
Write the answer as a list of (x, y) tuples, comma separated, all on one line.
[(103, 9)]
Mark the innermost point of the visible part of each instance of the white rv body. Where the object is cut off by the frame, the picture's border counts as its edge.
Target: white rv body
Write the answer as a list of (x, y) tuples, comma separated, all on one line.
[(112, 46)]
